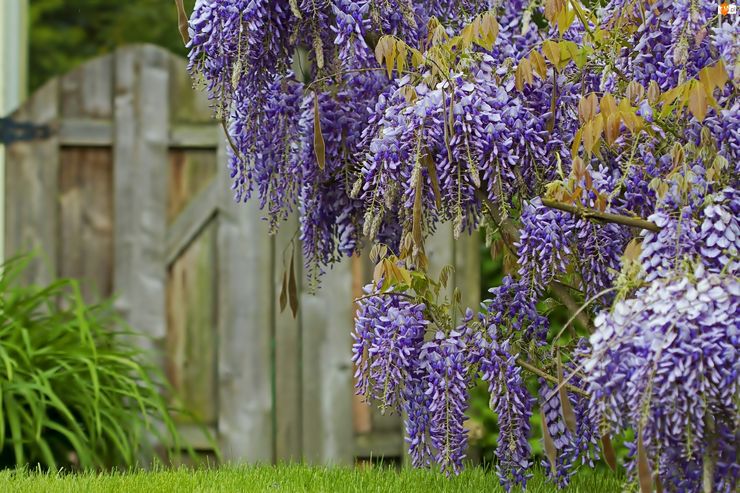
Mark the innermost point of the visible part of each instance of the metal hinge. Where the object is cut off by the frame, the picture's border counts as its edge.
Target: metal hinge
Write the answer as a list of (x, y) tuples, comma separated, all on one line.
[(12, 131)]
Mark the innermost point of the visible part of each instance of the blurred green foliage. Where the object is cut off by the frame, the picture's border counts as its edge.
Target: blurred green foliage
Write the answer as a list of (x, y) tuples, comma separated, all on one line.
[(65, 33)]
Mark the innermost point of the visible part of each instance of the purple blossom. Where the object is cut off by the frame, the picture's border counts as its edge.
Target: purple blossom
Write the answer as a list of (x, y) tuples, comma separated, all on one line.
[(666, 360), (389, 333)]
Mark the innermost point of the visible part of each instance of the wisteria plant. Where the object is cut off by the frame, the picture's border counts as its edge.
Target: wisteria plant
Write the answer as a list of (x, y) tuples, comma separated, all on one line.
[(596, 144)]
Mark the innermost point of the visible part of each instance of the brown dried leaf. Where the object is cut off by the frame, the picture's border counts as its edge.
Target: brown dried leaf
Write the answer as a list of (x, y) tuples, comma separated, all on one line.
[(607, 451), (568, 414), (550, 450), (182, 22), (432, 171), (293, 289), (644, 476), (417, 218), (319, 147), (284, 292)]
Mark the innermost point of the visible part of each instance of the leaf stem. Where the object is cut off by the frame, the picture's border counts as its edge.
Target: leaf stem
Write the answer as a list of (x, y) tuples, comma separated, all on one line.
[(533, 369), (588, 213)]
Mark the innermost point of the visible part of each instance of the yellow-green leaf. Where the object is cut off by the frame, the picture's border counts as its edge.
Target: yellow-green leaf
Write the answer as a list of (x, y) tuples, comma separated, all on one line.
[(587, 107), (552, 51), (565, 18), (608, 105), (612, 127), (698, 101), (538, 63), (523, 74), (576, 143)]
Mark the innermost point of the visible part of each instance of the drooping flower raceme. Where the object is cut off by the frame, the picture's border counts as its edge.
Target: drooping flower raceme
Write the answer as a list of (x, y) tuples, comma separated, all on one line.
[(375, 141), (666, 362)]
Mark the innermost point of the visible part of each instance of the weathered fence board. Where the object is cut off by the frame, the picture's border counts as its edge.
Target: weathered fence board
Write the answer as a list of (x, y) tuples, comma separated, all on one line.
[(288, 344), (131, 195), (31, 180), (86, 218)]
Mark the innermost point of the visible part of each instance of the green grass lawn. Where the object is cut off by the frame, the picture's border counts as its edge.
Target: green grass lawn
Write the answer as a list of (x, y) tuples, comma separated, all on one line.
[(290, 478)]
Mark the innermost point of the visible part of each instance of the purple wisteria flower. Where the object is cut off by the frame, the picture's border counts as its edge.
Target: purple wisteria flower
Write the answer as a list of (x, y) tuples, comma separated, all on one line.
[(666, 361), (389, 334)]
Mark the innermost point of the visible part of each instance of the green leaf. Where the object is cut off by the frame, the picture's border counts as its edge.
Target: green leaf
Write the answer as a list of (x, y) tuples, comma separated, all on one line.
[(14, 423)]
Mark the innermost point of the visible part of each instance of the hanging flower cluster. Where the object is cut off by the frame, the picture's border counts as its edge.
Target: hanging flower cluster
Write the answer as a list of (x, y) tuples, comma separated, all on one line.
[(600, 149), (665, 362)]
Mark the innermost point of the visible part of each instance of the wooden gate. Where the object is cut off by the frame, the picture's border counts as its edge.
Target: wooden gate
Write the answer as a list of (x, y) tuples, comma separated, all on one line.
[(130, 195)]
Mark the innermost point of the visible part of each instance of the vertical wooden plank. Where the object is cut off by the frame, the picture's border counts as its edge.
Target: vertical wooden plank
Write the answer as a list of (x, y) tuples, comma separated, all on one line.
[(14, 81), (85, 242), (190, 171), (288, 416), (464, 255), (140, 189), (327, 369), (441, 252), (246, 320), (191, 347), (31, 179), (87, 92), (361, 410), (186, 104), (467, 269)]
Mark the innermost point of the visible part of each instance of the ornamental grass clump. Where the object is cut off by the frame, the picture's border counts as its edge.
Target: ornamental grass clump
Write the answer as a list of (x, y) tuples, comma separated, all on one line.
[(597, 146), (75, 391)]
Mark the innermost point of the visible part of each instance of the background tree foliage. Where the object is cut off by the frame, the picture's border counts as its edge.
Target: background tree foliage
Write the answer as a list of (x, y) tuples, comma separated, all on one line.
[(65, 33)]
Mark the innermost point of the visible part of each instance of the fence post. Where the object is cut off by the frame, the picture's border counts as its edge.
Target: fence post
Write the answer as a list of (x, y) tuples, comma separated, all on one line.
[(14, 67)]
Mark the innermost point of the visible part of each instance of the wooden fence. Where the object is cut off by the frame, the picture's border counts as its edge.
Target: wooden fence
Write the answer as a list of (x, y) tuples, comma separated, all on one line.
[(130, 195)]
